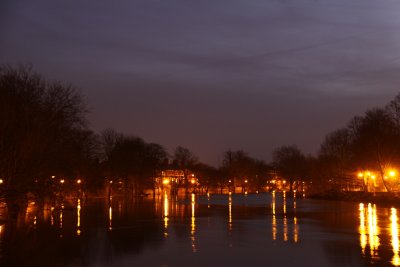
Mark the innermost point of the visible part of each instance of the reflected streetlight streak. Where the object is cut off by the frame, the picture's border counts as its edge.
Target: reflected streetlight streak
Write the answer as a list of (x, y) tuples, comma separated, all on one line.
[(274, 229), (368, 229), (295, 230), (110, 217), (193, 225), (230, 213), (166, 214), (395, 236), (61, 216), (51, 216), (285, 225), (362, 228), (373, 230), (78, 214)]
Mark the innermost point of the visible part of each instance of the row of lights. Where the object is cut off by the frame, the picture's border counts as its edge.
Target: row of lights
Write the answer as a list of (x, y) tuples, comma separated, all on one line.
[(62, 181), (79, 181), (391, 173)]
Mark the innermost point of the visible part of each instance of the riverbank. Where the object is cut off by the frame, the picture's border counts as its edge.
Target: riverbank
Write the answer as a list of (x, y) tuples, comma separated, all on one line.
[(384, 198)]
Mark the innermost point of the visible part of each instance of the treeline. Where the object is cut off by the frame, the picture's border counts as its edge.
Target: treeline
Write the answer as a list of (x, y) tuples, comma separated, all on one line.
[(44, 135)]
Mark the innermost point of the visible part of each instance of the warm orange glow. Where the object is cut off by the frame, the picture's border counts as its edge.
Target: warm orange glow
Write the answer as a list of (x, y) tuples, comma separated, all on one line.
[(193, 181), (392, 173), (62, 181), (246, 181), (373, 177), (1, 181), (79, 181), (165, 181), (52, 177), (360, 175)]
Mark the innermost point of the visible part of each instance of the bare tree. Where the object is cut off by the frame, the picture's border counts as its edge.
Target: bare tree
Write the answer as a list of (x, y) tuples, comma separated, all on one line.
[(289, 162), (38, 119)]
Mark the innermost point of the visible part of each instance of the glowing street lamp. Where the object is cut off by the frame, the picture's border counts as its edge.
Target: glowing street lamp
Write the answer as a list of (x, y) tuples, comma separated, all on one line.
[(79, 181), (392, 173), (62, 181), (165, 181), (1, 181)]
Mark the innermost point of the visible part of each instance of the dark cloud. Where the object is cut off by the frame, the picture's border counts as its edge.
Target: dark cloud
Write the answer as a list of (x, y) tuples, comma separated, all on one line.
[(213, 75)]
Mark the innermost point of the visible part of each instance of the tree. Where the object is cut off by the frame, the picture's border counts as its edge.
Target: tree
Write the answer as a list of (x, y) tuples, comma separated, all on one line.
[(289, 162), (132, 160), (376, 142), (336, 156), (38, 119), (244, 170)]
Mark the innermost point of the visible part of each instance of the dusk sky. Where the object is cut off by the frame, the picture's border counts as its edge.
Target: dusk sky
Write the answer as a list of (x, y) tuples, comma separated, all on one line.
[(214, 75)]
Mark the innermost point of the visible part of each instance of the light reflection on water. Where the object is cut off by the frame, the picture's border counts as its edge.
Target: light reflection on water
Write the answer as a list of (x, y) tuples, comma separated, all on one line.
[(395, 236), (369, 230), (202, 226)]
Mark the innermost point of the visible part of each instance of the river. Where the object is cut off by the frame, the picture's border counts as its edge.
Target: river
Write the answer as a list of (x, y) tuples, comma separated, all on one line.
[(268, 229)]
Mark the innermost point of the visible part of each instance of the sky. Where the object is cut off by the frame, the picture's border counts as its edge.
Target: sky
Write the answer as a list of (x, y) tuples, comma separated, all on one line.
[(214, 75)]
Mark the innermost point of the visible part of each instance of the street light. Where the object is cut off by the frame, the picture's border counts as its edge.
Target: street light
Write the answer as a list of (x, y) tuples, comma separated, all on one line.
[(62, 181), (1, 181), (79, 181)]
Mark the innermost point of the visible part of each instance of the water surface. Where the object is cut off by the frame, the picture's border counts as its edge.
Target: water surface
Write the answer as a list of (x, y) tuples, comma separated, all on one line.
[(269, 229)]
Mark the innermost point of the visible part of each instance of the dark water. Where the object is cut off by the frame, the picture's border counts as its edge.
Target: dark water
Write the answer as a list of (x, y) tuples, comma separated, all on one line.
[(237, 230)]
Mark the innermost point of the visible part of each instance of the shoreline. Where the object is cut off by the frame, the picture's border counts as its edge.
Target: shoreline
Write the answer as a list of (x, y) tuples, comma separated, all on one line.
[(381, 198)]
